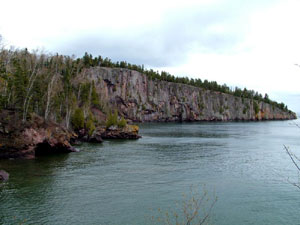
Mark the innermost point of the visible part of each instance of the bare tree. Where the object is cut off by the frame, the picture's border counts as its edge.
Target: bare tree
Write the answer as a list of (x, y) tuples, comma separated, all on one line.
[(195, 208), (70, 104), (296, 162), (53, 78), (33, 65), (49, 94)]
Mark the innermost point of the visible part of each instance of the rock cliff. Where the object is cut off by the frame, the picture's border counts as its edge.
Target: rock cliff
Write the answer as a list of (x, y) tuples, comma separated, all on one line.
[(139, 99)]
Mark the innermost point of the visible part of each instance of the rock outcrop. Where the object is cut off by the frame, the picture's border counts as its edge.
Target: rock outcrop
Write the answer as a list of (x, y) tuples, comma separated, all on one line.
[(83, 136), (139, 99), (35, 137), (114, 132)]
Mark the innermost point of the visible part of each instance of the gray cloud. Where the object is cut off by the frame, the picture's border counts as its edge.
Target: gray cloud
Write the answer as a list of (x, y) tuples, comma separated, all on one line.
[(168, 43)]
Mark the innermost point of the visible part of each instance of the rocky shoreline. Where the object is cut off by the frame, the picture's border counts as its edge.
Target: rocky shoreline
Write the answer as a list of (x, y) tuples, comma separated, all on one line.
[(37, 137)]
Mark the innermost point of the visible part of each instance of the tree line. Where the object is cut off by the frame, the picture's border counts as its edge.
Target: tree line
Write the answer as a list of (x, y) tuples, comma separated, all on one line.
[(90, 61), (44, 84)]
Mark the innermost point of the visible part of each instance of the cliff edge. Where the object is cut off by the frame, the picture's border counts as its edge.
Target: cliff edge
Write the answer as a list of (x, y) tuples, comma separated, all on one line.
[(140, 99)]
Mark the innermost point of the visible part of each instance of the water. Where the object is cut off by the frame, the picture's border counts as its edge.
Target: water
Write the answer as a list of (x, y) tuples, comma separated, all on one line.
[(126, 182)]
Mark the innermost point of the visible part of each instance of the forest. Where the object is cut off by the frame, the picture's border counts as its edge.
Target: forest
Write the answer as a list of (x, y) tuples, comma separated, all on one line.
[(43, 83)]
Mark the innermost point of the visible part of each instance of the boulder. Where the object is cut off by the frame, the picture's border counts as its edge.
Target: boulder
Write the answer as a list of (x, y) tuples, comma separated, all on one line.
[(3, 175)]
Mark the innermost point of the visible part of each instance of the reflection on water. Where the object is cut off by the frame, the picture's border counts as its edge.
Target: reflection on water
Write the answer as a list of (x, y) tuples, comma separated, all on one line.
[(119, 182)]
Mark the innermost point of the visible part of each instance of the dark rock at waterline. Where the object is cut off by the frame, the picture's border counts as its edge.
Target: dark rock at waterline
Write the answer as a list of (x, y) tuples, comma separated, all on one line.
[(114, 132), (75, 142), (31, 138), (83, 136), (3, 175), (47, 148), (96, 138)]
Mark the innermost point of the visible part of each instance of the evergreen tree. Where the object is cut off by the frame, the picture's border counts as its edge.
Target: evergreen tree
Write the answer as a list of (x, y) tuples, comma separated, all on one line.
[(78, 119)]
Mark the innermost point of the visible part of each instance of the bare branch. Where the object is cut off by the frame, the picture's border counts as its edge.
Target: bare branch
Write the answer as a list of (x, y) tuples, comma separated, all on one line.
[(294, 184), (291, 156)]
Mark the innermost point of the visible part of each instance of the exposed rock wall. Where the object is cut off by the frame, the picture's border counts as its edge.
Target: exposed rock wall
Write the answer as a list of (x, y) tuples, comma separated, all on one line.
[(141, 99)]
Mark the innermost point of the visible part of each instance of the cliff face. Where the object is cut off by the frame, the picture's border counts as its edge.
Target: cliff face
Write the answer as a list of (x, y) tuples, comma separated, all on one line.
[(140, 99)]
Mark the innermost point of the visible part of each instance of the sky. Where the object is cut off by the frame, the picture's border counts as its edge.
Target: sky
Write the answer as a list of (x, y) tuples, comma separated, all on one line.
[(253, 44)]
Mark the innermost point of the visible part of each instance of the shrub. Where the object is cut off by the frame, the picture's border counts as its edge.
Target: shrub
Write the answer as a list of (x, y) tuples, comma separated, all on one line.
[(90, 126), (221, 110), (201, 105), (255, 107), (122, 123), (112, 119), (95, 97), (77, 119)]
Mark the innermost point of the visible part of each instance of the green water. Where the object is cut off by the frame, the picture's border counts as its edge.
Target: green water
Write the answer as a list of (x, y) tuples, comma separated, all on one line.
[(126, 182)]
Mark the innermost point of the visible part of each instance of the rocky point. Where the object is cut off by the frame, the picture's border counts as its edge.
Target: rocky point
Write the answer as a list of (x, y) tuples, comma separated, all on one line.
[(33, 137)]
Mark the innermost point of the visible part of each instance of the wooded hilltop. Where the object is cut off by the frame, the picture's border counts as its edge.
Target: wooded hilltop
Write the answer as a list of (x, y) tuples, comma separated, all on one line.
[(50, 102), (65, 90)]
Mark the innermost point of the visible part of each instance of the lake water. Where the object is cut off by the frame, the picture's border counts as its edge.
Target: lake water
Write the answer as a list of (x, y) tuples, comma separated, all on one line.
[(243, 164)]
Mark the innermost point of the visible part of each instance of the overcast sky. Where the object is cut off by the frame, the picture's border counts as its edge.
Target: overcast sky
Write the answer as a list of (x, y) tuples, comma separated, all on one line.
[(253, 44)]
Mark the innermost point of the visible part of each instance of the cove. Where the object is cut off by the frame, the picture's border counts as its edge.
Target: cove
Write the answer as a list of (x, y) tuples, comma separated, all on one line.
[(125, 182)]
